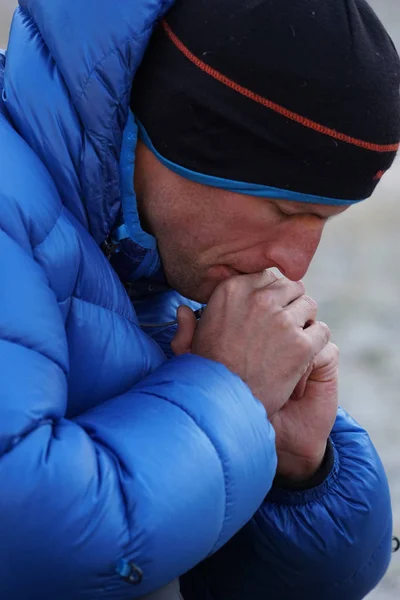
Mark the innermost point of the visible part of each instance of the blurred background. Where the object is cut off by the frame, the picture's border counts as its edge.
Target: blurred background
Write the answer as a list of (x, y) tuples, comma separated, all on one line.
[(355, 278)]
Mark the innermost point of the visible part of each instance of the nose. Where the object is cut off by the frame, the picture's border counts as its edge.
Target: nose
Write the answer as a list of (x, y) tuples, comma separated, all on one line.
[(294, 249)]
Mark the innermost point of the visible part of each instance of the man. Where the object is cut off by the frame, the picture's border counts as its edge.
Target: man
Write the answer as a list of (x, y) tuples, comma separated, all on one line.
[(228, 465)]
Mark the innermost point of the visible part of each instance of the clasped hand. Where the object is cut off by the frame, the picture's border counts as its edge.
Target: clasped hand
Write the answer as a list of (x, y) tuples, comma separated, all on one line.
[(264, 329)]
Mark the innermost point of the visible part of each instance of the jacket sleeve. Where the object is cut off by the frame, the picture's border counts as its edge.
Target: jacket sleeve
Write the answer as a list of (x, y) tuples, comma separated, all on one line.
[(144, 485), (330, 542)]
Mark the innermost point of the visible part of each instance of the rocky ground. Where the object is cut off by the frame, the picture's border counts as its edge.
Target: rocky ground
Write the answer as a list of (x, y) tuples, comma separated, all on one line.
[(356, 279)]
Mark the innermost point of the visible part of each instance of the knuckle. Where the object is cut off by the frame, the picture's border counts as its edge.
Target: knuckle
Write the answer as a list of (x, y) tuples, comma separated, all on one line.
[(301, 287), (262, 299), (311, 302), (285, 319), (325, 329), (232, 285), (334, 349)]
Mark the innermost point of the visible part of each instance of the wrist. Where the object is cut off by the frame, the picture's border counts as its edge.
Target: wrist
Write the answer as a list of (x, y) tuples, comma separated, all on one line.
[(301, 473)]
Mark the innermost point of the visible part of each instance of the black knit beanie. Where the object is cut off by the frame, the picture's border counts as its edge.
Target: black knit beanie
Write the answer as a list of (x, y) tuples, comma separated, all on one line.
[(293, 95)]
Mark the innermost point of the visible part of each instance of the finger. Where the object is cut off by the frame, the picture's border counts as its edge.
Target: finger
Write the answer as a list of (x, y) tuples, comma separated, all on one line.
[(286, 291), (319, 335), (187, 323), (303, 310), (325, 364), (301, 386), (260, 280), (328, 354), (245, 284)]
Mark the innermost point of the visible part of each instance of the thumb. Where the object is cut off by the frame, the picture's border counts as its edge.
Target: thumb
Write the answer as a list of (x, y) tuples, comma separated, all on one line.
[(301, 386), (187, 323)]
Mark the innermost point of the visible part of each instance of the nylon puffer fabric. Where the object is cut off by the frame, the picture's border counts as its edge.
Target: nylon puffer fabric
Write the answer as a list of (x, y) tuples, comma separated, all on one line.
[(110, 454), (330, 542), (107, 452)]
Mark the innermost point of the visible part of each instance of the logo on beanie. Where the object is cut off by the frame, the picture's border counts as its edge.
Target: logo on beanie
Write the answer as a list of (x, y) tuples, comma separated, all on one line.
[(379, 175)]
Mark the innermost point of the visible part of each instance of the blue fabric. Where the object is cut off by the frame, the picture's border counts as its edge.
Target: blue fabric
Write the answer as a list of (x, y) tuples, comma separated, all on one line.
[(241, 187), (110, 454), (314, 544), (145, 246), (128, 196)]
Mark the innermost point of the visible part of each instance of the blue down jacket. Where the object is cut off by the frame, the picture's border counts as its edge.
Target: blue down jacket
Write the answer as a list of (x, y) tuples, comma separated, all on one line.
[(121, 470)]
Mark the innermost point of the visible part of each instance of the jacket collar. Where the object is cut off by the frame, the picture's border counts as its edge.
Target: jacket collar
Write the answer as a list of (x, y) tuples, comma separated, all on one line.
[(69, 74), (134, 253)]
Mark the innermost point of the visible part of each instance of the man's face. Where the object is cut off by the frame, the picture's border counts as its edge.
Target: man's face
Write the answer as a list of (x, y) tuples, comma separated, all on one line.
[(206, 235)]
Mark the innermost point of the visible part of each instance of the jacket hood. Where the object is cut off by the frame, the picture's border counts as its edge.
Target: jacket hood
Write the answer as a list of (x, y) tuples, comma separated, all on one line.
[(68, 77)]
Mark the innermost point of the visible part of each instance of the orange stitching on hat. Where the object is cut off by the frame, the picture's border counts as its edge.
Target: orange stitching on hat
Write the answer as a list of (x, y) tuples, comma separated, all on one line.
[(379, 175), (272, 105)]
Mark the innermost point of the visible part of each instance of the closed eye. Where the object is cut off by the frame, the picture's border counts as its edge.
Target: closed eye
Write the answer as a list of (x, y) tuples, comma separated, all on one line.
[(303, 213)]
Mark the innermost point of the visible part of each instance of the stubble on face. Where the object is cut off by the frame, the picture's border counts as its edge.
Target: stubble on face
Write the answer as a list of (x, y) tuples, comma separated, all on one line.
[(169, 211), (206, 235), (181, 246)]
